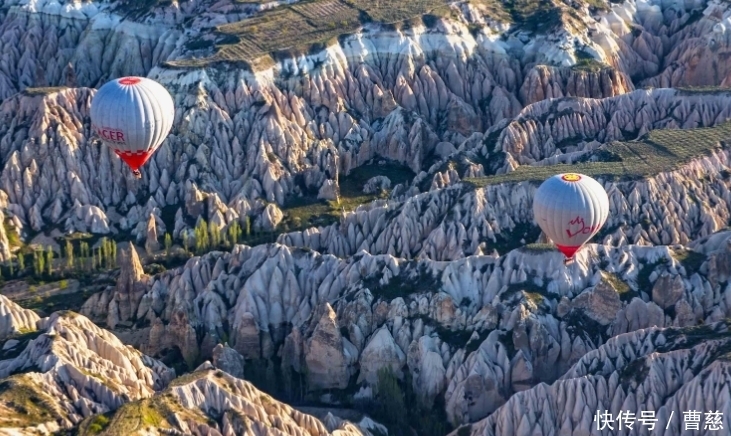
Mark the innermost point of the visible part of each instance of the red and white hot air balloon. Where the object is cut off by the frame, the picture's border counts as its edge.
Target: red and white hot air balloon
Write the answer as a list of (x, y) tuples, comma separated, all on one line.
[(132, 116), (570, 209)]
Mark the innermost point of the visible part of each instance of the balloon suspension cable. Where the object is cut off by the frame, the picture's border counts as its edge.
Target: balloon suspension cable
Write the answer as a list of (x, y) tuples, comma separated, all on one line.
[(137, 174)]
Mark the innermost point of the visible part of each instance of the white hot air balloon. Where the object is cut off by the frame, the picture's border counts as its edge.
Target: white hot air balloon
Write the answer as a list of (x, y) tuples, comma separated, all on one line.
[(132, 116), (570, 209)]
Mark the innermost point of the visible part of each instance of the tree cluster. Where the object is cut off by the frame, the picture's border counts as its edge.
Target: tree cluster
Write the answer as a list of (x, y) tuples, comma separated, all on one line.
[(45, 263)]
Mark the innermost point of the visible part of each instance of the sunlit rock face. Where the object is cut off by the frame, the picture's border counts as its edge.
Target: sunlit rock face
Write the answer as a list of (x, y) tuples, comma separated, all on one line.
[(84, 369), (69, 371), (436, 281), (472, 331), (14, 319), (242, 140), (653, 370)]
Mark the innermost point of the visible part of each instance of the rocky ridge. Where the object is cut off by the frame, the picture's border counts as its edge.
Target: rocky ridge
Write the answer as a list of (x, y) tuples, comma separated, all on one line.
[(454, 219), (292, 143), (470, 331), (658, 370), (70, 371), (427, 283), (14, 319), (84, 369), (212, 402)]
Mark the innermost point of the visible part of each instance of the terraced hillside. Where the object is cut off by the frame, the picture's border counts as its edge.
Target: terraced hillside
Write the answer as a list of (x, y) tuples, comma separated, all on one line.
[(655, 152)]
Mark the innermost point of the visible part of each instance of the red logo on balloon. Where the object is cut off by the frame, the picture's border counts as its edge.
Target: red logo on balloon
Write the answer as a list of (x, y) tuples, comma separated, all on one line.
[(580, 227), (129, 81), (111, 135)]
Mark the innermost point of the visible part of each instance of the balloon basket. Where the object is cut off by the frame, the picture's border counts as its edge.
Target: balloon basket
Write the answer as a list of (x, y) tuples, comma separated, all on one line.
[(568, 261), (137, 174)]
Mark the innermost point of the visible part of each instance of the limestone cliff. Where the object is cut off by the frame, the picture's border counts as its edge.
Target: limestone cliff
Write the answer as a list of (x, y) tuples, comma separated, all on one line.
[(473, 330), (291, 140), (438, 280), (70, 370), (653, 370), (211, 401)]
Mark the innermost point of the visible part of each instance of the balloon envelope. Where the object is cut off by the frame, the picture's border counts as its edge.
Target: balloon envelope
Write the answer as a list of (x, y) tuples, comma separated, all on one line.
[(570, 209), (132, 116)]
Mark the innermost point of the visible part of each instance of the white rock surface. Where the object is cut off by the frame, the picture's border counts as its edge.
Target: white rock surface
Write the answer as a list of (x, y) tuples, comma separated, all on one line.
[(211, 401), (14, 319), (425, 282), (664, 371), (528, 316), (85, 369)]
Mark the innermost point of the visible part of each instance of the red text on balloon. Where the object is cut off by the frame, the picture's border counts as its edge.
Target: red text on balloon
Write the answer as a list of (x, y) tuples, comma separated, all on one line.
[(111, 135), (580, 227)]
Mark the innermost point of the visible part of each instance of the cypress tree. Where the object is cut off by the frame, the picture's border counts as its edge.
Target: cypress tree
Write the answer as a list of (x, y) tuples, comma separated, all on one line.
[(39, 255), (103, 253), (215, 235), (69, 254), (49, 260), (168, 243), (186, 242)]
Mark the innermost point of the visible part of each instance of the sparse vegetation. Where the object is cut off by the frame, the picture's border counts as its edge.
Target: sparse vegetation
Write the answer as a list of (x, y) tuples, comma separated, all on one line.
[(59, 301), (691, 260), (128, 419), (137, 8), (529, 292), (634, 373), (301, 213), (537, 16), (421, 281), (390, 407), (399, 409), (586, 62), (589, 65), (579, 324), (658, 151), (616, 282), (539, 248), (12, 234), (98, 423), (24, 403), (691, 90), (454, 338), (517, 237), (43, 90)]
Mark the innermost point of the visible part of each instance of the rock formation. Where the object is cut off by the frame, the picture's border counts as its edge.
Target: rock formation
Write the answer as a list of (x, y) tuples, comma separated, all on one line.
[(437, 280), (228, 360), (654, 370), (73, 370), (410, 96), (15, 320), (211, 401), (526, 317)]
